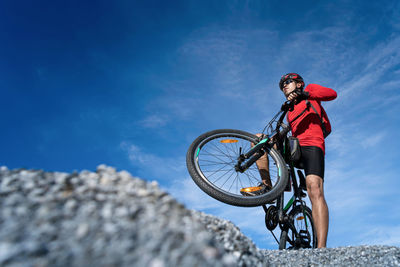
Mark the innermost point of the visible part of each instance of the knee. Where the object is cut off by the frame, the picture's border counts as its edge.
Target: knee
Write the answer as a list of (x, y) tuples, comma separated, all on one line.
[(315, 191)]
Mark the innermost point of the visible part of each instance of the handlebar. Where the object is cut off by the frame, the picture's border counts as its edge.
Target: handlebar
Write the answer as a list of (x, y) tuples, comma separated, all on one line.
[(275, 131), (287, 106)]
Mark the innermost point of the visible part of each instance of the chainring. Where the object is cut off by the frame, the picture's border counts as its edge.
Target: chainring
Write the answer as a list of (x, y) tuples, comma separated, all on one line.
[(271, 218)]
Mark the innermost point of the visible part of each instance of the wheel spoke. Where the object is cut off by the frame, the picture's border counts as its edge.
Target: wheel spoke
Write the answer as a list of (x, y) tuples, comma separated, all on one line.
[(220, 150), (226, 179)]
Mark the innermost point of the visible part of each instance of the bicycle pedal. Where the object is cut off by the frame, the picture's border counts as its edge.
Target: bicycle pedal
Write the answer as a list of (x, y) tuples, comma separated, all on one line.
[(255, 190), (252, 191)]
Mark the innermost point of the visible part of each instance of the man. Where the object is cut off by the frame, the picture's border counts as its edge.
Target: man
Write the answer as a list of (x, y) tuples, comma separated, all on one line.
[(306, 126), (308, 129)]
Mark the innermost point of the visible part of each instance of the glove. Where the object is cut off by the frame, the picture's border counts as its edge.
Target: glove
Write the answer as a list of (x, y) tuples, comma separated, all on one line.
[(301, 95)]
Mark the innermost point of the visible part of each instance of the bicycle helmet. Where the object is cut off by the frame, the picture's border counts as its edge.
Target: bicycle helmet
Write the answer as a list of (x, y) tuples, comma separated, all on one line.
[(294, 76)]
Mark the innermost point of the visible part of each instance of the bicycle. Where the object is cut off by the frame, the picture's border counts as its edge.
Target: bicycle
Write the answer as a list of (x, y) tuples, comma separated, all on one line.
[(221, 163)]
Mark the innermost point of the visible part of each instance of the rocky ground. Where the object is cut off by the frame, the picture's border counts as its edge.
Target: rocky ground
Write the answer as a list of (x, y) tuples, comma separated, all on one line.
[(109, 218)]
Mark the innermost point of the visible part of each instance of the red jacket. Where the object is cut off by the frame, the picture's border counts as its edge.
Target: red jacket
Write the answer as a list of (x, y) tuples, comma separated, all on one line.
[(307, 128)]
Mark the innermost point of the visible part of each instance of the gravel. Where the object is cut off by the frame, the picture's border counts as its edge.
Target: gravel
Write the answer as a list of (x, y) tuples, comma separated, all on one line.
[(343, 256), (109, 218)]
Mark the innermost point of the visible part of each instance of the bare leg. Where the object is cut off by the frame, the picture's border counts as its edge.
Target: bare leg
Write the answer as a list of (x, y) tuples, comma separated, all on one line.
[(263, 168), (320, 212)]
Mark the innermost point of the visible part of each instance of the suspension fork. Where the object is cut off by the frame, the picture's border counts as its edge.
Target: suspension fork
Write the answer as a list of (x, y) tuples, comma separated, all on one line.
[(253, 155)]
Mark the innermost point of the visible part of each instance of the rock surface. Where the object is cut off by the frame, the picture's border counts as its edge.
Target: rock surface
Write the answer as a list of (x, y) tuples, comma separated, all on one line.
[(109, 218)]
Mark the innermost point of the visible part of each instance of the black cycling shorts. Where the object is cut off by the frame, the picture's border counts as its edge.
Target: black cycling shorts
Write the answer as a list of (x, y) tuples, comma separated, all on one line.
[(313, 160)]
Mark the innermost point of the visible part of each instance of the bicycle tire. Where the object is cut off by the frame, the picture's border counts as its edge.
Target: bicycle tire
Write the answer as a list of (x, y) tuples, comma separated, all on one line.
[(296, 214), (197, 155)]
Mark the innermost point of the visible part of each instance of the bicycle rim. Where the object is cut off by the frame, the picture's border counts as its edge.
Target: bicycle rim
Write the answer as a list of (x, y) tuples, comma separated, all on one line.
[(215, 161), (304, 224)]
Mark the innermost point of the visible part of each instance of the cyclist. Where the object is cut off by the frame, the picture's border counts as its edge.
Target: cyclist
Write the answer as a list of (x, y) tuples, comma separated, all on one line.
[(308, 129), (306, 125)]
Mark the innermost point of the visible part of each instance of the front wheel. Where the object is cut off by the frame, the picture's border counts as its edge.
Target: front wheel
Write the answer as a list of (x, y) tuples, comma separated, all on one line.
[(301, 218), (211, 161)]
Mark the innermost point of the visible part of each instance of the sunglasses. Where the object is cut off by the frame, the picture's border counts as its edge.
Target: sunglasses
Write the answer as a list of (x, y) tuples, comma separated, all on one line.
[(287, 82)]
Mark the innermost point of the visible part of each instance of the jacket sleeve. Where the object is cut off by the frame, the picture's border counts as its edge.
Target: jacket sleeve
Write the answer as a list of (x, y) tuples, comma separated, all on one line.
[(320, 93)]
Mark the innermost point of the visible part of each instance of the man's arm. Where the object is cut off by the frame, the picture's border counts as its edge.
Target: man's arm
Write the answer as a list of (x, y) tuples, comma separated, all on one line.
[(320, 93)]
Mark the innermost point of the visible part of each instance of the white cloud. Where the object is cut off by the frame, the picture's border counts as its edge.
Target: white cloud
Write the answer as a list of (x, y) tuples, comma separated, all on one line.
[(384, 56), (226, 54), (161, 167), (230, 68), (222, 51), (186, 191), (135, 154), (373, 140), (154, 121), (393, 83), (380, 59), (381, 235)]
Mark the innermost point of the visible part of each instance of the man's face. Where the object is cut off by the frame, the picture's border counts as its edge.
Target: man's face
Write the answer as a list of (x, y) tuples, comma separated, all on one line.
[(289, 86)]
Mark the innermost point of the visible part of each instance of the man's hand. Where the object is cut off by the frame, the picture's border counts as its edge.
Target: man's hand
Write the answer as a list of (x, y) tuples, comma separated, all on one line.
[(292, 96), (297, 96)]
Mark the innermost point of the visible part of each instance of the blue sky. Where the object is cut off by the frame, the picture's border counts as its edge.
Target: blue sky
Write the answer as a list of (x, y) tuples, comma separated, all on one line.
[(132, 83)]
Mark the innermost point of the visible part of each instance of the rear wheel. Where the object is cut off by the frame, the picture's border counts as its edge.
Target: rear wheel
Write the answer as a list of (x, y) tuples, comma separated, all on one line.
[(304, 225), (211, 161)]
